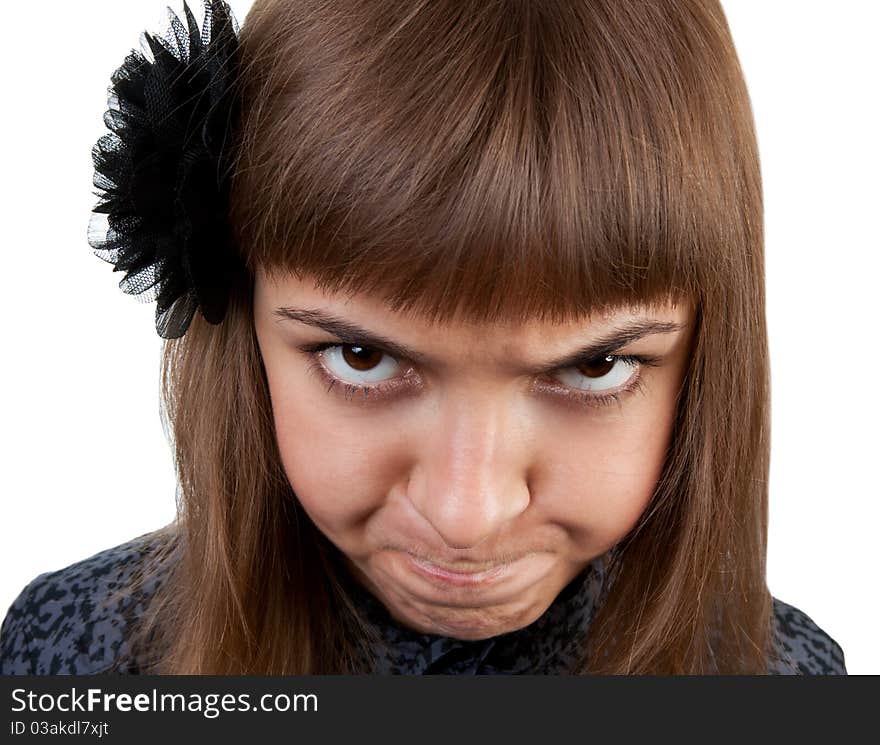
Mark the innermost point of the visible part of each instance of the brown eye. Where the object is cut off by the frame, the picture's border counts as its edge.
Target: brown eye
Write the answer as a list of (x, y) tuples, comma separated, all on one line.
[(601, 374), (359, 358), (359, 365), (597, 368)]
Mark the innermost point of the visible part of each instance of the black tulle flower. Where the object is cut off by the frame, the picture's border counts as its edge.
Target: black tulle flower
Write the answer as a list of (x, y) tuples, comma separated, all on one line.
[(163, 174)]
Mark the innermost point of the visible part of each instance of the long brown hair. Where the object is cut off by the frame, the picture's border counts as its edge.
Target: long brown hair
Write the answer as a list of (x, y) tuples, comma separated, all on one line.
[(496, 161)]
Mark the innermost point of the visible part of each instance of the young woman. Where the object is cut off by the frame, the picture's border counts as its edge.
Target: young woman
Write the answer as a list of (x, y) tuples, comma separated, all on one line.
[(466, 362)]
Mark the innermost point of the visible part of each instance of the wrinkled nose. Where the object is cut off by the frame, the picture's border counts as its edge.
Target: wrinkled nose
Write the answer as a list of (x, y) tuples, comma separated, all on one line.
[(470, 480)]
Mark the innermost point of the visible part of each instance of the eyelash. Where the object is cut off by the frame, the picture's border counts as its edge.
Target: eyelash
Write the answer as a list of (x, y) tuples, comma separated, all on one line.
[(388, 389)]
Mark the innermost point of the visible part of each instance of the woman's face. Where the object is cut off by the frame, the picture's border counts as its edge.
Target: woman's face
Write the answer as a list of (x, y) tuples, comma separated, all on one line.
[(467, 447)]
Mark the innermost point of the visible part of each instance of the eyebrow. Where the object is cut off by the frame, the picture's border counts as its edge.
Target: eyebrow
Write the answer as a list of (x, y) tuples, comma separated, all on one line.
[(351, 333)]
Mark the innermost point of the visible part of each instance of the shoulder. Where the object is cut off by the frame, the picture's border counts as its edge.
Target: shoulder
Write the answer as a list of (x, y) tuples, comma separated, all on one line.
[(802, 648), (74, 620)]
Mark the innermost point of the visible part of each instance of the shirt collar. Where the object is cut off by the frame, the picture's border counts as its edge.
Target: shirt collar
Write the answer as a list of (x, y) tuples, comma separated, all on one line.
[(549, 645)]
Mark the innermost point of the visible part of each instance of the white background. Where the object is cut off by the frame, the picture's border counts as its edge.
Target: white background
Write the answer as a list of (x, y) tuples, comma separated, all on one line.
[(85, 462)]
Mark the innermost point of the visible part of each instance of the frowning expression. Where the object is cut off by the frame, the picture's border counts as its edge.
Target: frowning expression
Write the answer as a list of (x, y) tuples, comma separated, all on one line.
[(468, 473)]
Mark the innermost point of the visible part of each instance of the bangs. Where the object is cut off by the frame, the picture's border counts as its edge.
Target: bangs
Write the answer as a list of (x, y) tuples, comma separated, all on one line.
[(495, 161)]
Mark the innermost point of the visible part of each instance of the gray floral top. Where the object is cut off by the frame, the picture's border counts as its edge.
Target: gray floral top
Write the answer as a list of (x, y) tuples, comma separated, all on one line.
[(58, 625)]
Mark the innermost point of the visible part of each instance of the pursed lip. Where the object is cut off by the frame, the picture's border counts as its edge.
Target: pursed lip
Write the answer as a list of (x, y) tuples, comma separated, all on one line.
[(454, 577)]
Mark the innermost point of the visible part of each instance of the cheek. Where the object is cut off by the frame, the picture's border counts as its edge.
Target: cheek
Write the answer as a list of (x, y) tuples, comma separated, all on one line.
[(338, 473), (601, 486)]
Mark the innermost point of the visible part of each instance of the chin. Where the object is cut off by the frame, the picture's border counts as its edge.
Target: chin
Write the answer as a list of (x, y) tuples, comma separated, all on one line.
[(469, 624)]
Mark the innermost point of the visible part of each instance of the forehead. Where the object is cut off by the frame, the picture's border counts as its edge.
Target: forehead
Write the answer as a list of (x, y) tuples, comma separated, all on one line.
[(371, 312)]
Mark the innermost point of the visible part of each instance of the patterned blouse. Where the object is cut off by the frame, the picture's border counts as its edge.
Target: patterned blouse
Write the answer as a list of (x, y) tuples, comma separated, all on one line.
[(57, 625)]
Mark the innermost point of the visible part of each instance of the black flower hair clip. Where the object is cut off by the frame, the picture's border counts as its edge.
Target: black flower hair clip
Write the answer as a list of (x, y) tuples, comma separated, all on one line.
[(163, 172)]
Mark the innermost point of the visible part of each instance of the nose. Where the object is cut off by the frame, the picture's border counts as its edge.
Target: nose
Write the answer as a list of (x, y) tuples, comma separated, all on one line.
[(470, 480)]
